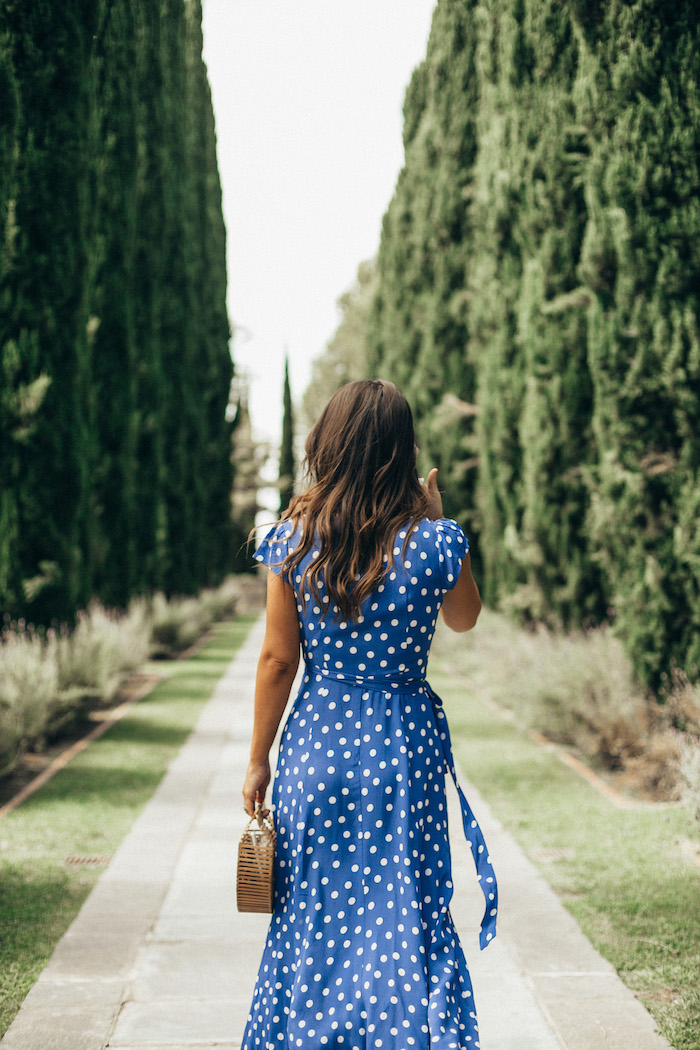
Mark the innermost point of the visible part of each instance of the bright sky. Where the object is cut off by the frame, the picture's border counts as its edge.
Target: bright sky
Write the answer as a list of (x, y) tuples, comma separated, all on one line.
[(308, 97)]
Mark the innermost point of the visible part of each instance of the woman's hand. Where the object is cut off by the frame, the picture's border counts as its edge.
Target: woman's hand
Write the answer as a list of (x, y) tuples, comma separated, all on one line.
[(435, 510), (255, 785)]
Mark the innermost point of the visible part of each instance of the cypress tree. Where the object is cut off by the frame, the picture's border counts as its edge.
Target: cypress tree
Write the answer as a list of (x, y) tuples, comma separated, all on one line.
[(10, 410), (492, 284), (150, 276), (418, 330), (45, 286), (287, 466), (530, 215), (116, 470), (112, 325), (640, 261), (249, 457), (212, 331), (559, 305), (345, 357), (183, 486)]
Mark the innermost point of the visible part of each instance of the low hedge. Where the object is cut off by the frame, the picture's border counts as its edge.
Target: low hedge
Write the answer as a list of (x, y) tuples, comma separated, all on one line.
[(47, 678)]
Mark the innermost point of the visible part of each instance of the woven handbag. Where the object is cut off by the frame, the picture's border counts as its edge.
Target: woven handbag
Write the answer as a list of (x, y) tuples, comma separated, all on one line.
[(255, 879)]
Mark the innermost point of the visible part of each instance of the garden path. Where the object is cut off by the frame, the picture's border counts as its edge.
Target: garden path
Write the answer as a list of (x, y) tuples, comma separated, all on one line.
[(159, 958)]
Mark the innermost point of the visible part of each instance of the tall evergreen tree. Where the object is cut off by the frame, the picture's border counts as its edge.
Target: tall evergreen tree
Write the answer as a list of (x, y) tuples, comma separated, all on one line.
[(183, 485), (208, 250), (345, 357), (116, 470), (150, 276), (418, 331), (559, 304), (249, 457), (529, 320), (112, 324), (45, 290), (10, 389), (641, 263), (287, 465)]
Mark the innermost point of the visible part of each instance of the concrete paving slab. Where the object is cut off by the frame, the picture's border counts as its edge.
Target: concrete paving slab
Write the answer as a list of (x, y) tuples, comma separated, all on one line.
[(207, 858), (160, 1024), (208, 895), (590, 1014), (144, 900), (183, 970), (98, 954), (60, 1013), (160, 958), (198, 927)]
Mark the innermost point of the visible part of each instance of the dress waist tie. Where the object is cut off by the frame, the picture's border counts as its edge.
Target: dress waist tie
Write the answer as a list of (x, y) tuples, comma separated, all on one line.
[(473, 833)]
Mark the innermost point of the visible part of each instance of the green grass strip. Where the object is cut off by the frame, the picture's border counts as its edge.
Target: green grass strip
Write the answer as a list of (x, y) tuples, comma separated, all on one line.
[(88, 808), (631, 886)]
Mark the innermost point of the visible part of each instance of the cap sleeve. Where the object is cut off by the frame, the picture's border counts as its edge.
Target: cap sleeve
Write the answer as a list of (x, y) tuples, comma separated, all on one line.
[(275, 547), (452, 546)]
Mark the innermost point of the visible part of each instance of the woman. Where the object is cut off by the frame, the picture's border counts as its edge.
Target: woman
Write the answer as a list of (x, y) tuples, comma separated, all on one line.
[(361, 951)]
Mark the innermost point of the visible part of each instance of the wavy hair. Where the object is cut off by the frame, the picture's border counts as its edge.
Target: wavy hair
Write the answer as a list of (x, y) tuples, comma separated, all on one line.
[(363, 486)]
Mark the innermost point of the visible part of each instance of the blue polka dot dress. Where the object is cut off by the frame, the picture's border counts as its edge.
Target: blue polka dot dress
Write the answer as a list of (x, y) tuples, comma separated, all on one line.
[(361, 951)]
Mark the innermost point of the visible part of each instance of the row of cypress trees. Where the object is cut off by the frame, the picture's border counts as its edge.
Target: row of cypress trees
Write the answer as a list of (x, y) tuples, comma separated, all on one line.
[(538, 299), (115, 473)]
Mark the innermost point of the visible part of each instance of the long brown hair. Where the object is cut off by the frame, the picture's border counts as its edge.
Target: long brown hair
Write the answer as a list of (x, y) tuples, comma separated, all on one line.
[(361, 462)]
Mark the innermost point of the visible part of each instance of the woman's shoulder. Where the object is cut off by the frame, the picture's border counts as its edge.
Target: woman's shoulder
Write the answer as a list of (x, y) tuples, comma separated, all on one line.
[(276, 544), (439, 548), (440, 531), (280, 531)]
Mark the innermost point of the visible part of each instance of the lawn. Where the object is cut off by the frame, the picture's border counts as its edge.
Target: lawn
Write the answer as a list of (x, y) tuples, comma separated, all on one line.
[(87, 809), (628, 875)]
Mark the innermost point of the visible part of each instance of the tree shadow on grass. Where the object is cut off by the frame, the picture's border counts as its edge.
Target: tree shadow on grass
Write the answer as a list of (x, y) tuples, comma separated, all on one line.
[(222, 654), (147, 732), (37, 905), (114, 787), (189, 676)]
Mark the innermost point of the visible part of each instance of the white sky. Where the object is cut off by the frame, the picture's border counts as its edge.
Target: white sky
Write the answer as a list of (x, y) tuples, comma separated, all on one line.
[(308, 97)]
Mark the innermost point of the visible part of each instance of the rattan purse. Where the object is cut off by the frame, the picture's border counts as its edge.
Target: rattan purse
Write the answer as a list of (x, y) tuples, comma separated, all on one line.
[(255, 878)]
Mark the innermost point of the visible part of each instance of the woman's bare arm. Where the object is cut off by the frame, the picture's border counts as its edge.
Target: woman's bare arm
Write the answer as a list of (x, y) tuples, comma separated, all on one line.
[(277, 666), (461, 606)]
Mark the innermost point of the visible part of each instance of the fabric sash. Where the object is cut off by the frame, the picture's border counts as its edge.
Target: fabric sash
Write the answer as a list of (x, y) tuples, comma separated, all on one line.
[(473, 833)]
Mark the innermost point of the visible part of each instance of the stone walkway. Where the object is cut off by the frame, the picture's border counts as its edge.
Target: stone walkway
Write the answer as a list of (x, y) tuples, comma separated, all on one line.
[(159, 958)]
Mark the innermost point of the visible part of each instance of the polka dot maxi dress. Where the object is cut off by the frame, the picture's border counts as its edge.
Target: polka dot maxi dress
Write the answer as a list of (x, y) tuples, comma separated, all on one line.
[(361, 951)]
